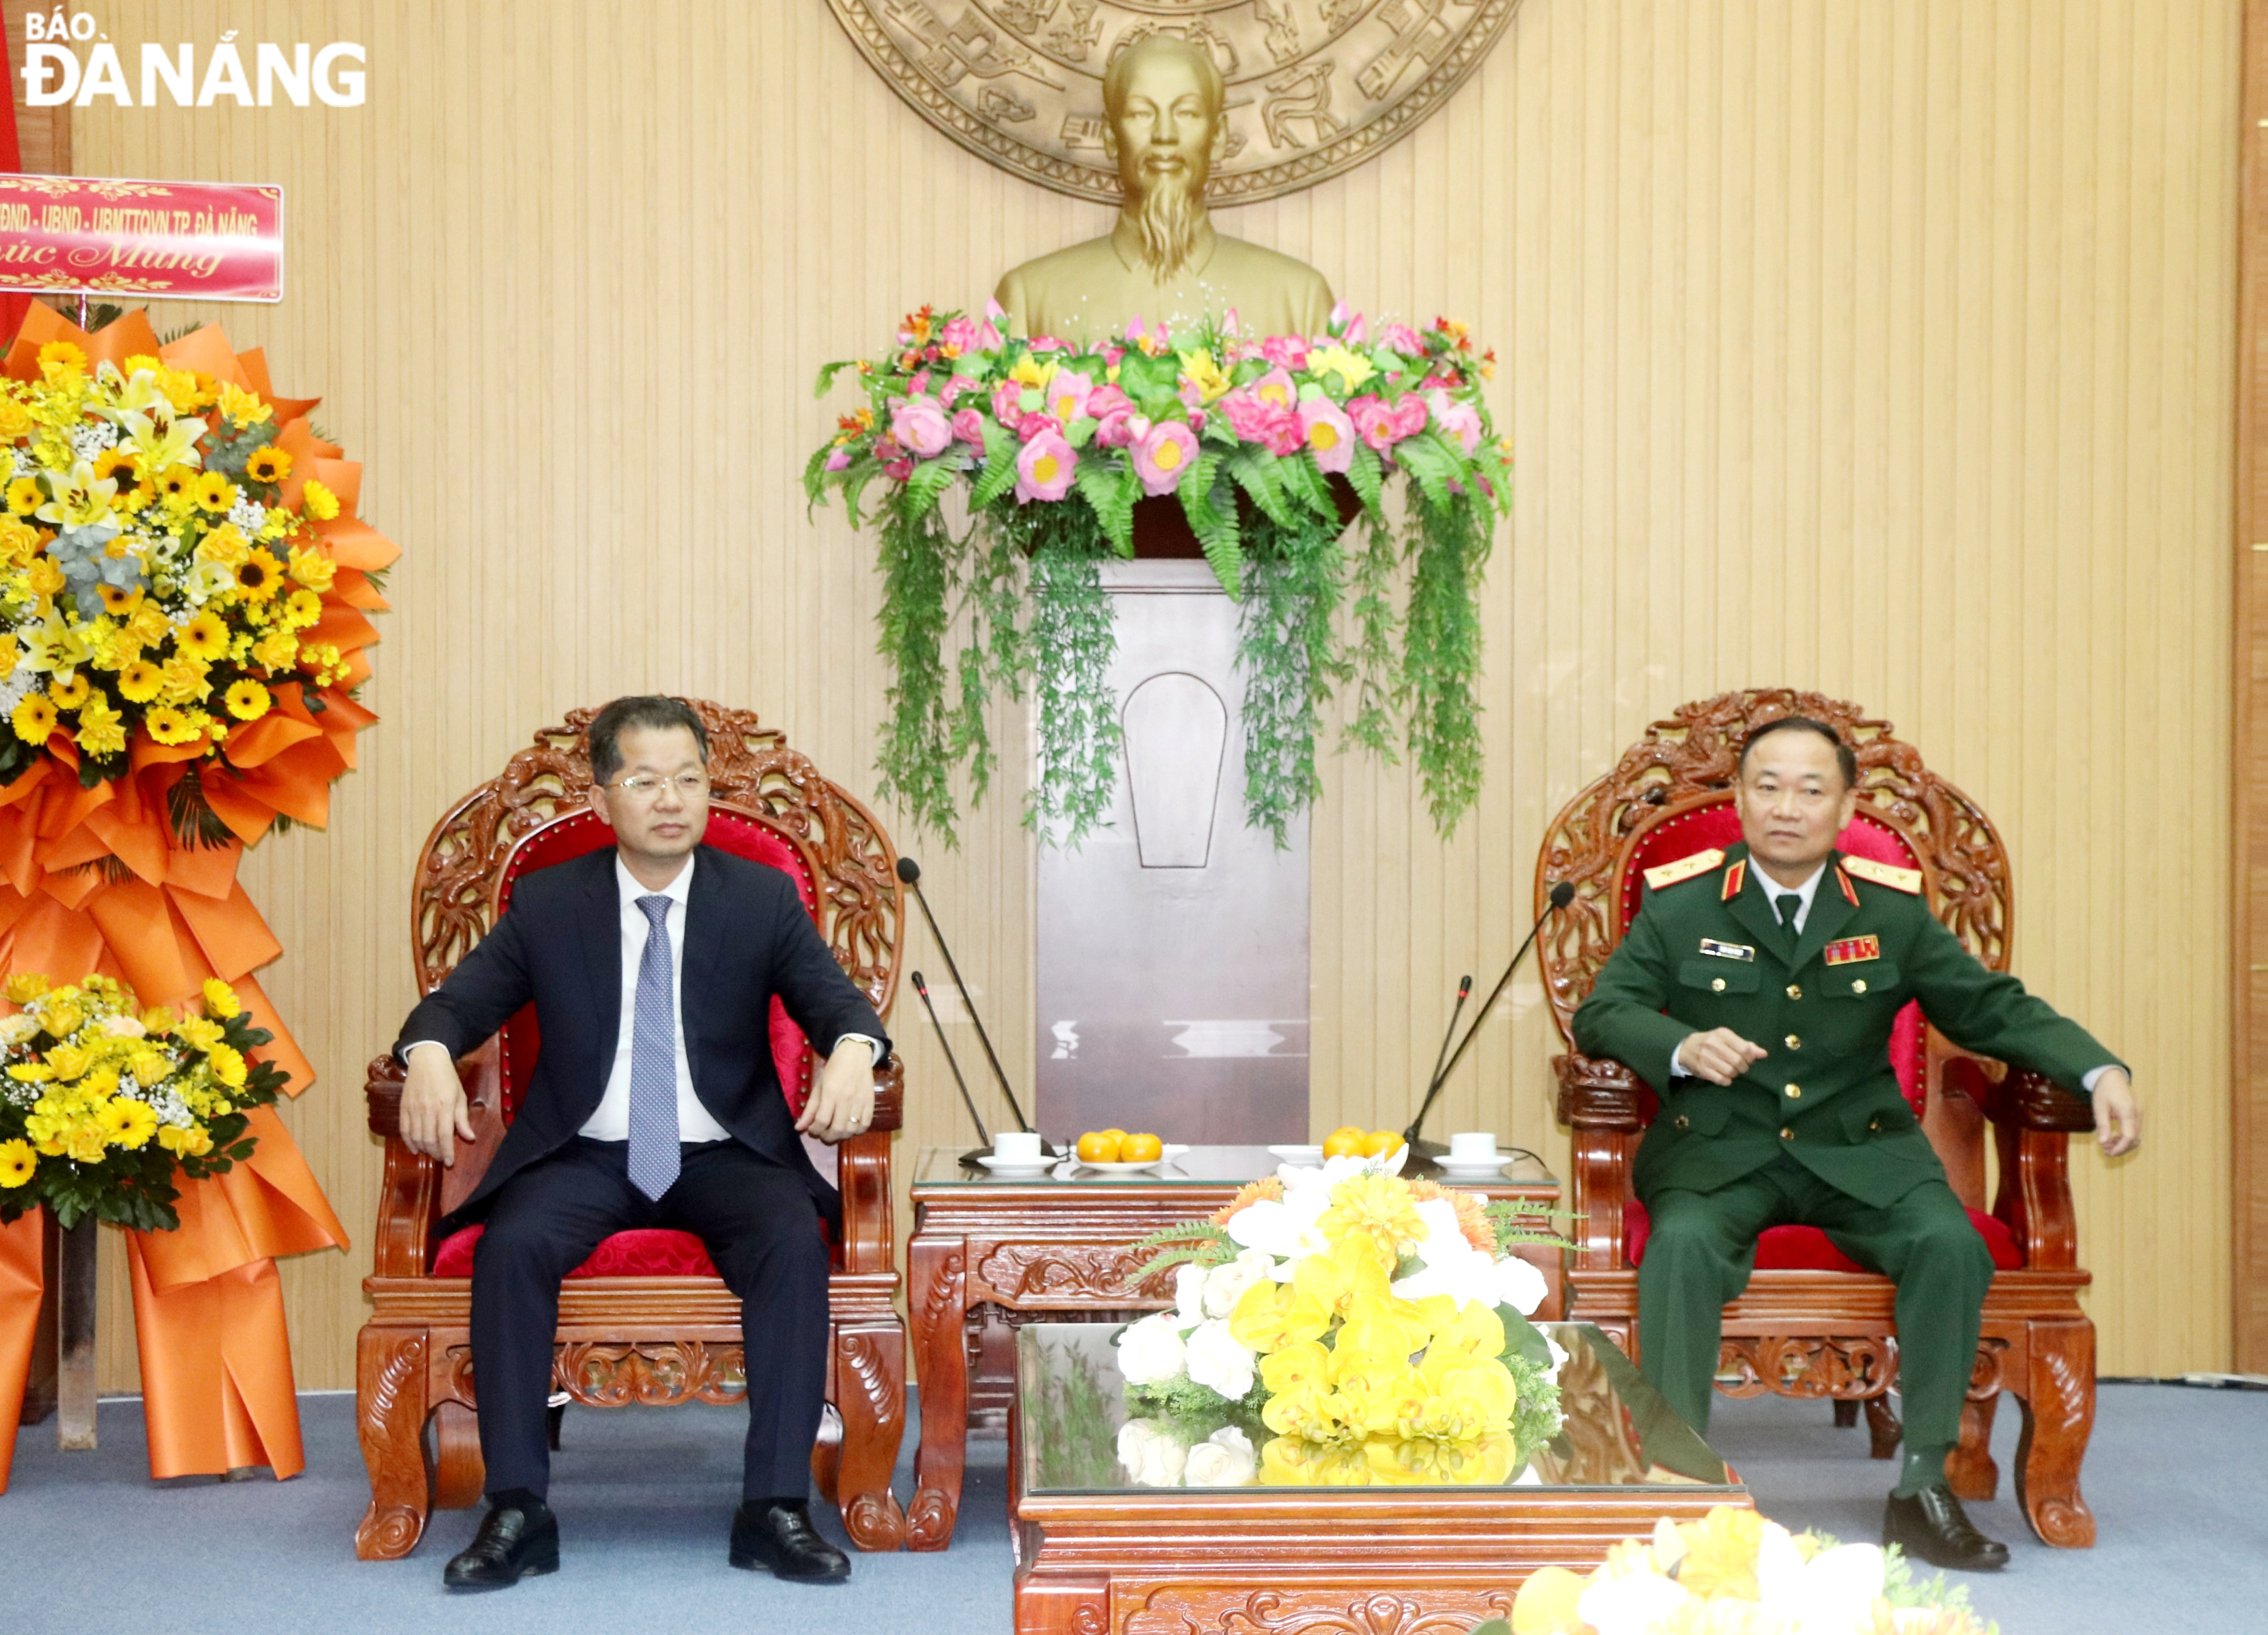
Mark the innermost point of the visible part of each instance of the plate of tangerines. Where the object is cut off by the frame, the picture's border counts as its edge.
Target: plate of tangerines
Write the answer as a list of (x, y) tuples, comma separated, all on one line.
[(1113, 1151)]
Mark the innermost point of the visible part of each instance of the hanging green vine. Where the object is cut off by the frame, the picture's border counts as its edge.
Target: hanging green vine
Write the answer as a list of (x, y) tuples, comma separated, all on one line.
[(1268, 449)]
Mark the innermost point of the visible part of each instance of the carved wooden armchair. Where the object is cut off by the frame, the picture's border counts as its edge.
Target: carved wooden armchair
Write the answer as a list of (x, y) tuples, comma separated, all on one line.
[(1811, 1323), (645, 1320)]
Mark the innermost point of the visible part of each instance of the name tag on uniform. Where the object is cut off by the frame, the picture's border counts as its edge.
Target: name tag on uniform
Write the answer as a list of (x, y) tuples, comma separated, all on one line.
[(1727, 950), (1851, 950)]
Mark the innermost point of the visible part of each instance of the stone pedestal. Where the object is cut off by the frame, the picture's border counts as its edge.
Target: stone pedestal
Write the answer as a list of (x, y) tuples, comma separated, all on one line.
[(1172, 951)]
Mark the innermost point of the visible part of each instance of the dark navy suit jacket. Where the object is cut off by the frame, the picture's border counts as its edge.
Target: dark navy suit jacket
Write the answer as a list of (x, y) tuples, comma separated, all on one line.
[(559, 945)]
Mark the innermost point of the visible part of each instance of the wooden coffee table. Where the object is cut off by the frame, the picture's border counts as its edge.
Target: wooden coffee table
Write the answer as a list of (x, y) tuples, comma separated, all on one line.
[(1096, 1555), (989, 1255)]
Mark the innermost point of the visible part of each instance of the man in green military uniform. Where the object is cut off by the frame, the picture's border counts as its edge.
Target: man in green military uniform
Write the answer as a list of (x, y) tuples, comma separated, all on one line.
[(1754, 991)]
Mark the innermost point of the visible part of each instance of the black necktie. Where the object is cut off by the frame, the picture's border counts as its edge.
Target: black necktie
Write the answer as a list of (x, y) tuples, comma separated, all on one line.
[(1788, 903)]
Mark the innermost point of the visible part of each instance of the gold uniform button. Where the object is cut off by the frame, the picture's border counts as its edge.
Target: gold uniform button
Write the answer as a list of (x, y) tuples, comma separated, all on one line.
[(1717, 985), (1684, 1123), (1785, 1134), (1794, 1043), (1795, 1092), (1858, 985), (1795, 991)]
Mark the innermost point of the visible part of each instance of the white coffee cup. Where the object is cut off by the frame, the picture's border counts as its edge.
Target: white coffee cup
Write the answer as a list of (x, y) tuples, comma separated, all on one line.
[(1473, 1147), (1017, 1146)]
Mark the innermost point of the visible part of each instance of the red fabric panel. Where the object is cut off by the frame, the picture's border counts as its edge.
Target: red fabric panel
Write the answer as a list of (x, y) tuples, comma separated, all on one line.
[(645, 1252), (581, 832), (1718, 825), (1807, 1248)]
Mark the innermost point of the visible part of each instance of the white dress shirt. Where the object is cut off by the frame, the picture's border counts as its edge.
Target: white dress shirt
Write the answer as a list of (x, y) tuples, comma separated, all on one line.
[(611, 1121)]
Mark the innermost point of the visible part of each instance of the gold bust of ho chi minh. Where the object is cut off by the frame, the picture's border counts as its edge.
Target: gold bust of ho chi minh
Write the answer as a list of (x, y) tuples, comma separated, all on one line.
[(1164, 120)]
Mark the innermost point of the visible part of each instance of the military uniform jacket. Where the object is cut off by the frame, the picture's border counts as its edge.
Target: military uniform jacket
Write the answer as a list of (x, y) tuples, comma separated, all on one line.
[(1706, 950)]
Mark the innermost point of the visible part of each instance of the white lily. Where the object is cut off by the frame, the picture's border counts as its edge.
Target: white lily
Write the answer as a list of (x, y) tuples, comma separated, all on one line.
[(80, 500), (53, 647), (163, 439)]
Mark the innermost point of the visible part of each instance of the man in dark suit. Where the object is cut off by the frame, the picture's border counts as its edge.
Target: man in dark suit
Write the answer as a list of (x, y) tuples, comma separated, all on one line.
[(1754, 991), (654, 1102)]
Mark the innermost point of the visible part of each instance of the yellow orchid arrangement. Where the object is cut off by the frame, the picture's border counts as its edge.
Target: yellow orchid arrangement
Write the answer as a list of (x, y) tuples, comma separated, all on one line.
[(1373, 1330), (1733, 1573), (102, 1101), (162, 581)]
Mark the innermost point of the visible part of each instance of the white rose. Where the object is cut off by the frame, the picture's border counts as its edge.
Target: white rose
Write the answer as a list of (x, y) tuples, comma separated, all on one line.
[(1519, 1286), (1188, 1295), (1150, 1454), (1631, 1605), (1151, 1352), (1225, 1459), (1218, 1361), (1225, 1286)]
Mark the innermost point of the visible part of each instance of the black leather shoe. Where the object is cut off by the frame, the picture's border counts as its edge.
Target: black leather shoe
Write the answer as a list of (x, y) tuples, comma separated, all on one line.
[(515, 1541), (781, 1537), (1932, 1527)]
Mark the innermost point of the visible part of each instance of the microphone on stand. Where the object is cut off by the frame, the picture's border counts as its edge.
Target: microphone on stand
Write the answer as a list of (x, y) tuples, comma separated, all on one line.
[(1464, 992), (1562, 894), (967, 1100), (909, 871)]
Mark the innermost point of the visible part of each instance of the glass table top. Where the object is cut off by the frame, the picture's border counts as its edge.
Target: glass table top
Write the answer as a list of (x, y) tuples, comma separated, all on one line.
[(1193, 1167), (1617, 1432)]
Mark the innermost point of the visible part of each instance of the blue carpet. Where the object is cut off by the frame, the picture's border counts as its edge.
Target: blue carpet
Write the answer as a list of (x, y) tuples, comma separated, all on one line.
[(89, 1542)]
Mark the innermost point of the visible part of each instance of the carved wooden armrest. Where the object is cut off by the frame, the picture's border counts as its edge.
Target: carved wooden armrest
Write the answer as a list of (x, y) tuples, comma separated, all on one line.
[(381, 1091), (890, 1095), (1599, 1093), (2017, 1098)]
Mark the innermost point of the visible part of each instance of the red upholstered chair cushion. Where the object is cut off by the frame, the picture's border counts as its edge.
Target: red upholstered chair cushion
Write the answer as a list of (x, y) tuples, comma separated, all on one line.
[(728, 831), (1717, 824), (646, 1252), (1807, 1248)]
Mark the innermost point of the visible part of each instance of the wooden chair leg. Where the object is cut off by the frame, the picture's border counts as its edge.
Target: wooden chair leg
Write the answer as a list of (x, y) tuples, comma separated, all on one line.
[(937, 1294), (870, 1393), (827, 1457), (2058, 1406), (1846, 1412), (1971, 1471), (1883, 1431), (390, 1408), (459, 1476)]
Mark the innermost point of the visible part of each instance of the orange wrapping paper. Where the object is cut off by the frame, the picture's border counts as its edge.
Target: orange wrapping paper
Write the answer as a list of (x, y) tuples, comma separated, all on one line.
[(95, 879)]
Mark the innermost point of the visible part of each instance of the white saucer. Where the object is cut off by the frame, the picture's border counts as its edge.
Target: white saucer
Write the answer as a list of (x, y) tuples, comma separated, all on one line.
[(1125, 1170), (1017, 1169), (1308, 1156), (1482, 1169)]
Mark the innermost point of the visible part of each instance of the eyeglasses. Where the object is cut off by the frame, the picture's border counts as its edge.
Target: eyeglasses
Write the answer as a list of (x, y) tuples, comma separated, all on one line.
[(649, 785)]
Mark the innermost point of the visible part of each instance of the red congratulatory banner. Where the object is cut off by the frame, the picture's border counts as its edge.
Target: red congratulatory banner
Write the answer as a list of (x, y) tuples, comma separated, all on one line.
[(189, 241)]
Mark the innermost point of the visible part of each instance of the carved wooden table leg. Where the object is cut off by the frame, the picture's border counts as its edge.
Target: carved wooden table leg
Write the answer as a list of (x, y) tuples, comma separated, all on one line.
[(459, 1474), (936, 1302), (1971, 1471), (1846, 1412), (2058, 1415), (1066, 1607), (870, 1394), (75, 1337), (1883, 1431), (390, 1387)]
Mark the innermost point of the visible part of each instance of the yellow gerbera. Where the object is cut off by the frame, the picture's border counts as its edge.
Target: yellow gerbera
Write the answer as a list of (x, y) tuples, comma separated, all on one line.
[(304, 606), (271, 464), (101, 729), (63, 355), (204, 638), (179, 486), (35, 719), (120, 604), (169, 725), (220, 999), (258, 576), (127, 1122), (246, 700), (140, 682), (72, 694), (321, 502), (227, 1063), (17, 1163), (214, 492), (23, 496)]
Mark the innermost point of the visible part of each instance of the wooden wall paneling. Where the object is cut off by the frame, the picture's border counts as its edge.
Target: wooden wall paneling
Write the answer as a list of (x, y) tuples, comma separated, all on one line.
[(1880, 346), (2248, 743)]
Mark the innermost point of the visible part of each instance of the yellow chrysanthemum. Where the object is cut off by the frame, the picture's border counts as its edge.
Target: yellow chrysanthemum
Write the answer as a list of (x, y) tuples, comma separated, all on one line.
[(319, 502), (15, 419), (259, 576), (214, 492), (1379, 1207), (63, 355), (67, 1061), (169, 725), (1721, 1554), (24, 986), (246, 700), (46, 577), (23, 496), (148, 1065), (18, 541), (220, 1000), (101, 729), (72, 694), (140, 682), (271, 464), (204, 638), (1200, 372), (1351, 368), (17, 1163), (35, 719)]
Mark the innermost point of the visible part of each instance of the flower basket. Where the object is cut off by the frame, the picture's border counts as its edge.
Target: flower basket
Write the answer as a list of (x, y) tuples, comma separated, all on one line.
[(1258, 454)]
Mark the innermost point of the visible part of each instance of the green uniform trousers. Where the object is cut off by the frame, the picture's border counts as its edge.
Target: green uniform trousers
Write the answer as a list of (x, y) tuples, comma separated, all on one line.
[(1703, 1247)]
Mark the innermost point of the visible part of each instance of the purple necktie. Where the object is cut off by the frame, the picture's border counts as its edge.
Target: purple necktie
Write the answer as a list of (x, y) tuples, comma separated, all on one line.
[(653, 1158)]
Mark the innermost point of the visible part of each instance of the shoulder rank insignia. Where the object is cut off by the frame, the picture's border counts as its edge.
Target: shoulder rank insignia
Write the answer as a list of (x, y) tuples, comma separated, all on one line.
[(1851, 950), (1684, 868), (1733, 877), (1907, 880)]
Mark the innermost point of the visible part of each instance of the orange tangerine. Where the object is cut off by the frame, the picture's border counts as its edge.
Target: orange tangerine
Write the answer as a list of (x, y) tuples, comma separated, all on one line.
[(1098, 1147), (1381, 1144), (1344, 1142), (1141, 1148)]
